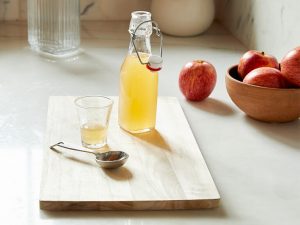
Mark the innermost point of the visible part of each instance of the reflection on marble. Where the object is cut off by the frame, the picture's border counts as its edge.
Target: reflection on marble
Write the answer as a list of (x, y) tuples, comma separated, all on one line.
[(266, 25), (90, 9)]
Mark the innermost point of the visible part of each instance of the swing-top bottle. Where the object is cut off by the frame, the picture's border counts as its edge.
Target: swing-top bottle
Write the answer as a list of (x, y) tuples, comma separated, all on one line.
[(139, 78)]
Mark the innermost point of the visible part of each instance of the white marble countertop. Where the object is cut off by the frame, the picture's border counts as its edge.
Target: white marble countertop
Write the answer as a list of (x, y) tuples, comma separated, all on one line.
[(255, 165)]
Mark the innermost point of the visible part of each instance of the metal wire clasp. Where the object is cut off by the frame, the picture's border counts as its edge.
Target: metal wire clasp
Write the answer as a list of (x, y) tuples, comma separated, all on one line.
[(155, 61)]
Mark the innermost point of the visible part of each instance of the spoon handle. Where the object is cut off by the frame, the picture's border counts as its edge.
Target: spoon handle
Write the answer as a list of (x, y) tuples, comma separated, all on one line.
[(62, 145)]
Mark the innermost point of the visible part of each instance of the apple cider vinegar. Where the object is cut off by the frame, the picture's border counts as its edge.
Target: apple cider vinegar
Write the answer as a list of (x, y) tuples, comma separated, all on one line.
[(139, 76), (93, 133), (138, 95)]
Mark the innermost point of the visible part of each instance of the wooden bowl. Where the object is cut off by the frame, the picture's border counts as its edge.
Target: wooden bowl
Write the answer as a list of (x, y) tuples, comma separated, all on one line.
[(261, 103)]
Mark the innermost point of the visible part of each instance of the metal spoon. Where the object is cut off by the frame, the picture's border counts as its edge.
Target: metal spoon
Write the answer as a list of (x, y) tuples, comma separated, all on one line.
[(108, 160)]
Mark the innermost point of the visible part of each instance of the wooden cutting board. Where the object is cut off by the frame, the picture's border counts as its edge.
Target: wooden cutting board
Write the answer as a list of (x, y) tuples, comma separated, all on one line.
[(165, 169)]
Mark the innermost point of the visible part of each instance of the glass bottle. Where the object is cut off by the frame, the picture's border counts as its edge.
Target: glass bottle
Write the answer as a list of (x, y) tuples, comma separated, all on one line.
[(54, 26), (139, 77)]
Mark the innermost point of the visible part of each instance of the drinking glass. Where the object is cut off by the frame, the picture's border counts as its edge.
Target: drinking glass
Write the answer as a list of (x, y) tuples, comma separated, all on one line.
[(94, 113)]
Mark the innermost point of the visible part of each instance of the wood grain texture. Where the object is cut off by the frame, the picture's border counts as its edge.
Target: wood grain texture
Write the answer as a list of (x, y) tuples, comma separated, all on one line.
[(165, 169)]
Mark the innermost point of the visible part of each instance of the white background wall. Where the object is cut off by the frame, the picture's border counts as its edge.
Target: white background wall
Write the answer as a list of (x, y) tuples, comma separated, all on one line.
[(269, 25)]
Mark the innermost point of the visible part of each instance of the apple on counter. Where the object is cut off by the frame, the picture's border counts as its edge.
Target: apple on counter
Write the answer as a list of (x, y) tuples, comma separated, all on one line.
[(197, 80), (254, 59)]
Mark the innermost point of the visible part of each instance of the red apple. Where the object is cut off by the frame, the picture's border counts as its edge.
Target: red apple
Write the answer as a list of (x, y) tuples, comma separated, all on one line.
[(290, 67), (197, 80), (254, 59), (266, 77)]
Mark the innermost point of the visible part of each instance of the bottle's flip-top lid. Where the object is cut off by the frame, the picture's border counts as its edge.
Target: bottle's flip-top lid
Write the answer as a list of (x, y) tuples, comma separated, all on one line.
[(155, 63)]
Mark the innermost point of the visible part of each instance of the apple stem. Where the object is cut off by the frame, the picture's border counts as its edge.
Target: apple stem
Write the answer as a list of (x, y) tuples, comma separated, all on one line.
[(263, 53), (200, 61)]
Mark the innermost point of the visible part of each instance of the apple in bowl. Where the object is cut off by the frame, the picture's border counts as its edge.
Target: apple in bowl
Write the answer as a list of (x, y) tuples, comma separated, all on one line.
[(290, 67), (266, 77), (254, 59)]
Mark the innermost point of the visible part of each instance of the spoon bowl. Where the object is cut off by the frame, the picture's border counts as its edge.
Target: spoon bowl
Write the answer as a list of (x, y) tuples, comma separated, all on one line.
[(111, 159)]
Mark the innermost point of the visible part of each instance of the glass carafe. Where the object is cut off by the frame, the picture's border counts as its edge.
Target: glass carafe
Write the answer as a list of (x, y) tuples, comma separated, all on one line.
[(54, 26), (139, 78)]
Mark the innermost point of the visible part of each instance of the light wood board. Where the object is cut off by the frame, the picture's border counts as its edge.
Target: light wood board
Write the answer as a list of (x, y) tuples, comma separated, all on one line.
[(165, 169)]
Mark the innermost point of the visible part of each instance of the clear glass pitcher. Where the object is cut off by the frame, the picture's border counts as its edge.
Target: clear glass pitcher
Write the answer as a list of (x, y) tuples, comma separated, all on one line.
[(54, 26)]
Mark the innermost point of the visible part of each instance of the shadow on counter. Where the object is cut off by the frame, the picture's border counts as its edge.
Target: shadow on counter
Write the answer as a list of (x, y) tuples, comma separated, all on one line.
[(286, 133), (214, 106)]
